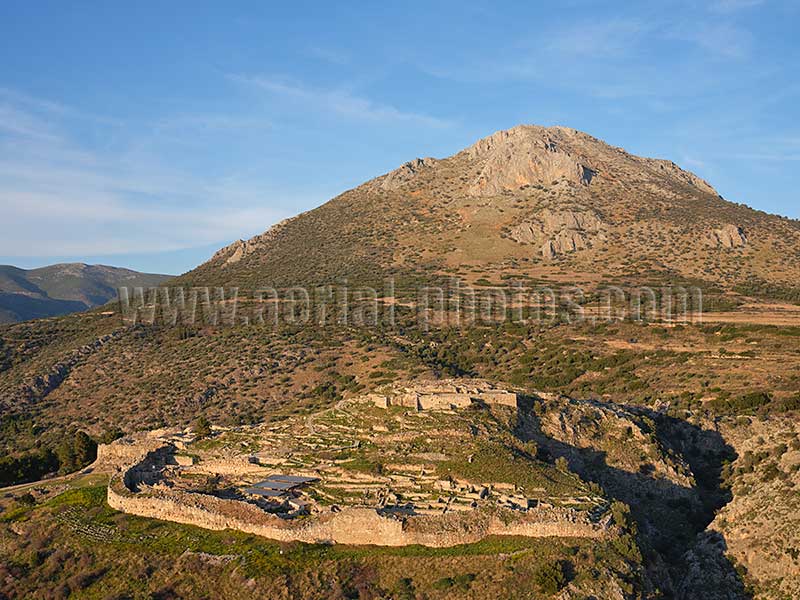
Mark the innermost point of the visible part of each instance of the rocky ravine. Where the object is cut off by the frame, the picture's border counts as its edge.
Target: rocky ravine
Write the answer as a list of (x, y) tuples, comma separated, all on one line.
[(666, 469), (759, 527)]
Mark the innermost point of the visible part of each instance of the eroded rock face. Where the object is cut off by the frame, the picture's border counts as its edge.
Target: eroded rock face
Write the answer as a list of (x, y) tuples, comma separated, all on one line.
[(555, 221), (678, 175), (406, 173), (525, 156), (729, 236), (236, 251), (760, 526), (526, 233), (559, 232), (563, 243), (708, 574), (622, 436)]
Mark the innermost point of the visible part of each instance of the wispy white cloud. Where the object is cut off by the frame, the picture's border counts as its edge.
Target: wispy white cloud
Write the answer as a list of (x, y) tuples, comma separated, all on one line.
[(340, 101), (765, 156), (660, 54), (19, 123), (186, 129), (44, 106), (60, 198), (329, 55), (723, 40), (598, 38), (731, 6)]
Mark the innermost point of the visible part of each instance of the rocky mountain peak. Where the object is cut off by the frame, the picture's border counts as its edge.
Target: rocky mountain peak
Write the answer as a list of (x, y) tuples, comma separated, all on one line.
[(529, 155), (523, 201)]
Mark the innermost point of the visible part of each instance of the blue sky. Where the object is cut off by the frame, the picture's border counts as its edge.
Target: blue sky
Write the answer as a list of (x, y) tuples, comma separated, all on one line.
[(148, 134)]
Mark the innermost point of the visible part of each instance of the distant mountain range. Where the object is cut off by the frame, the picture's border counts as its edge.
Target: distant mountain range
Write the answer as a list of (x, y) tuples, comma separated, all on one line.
[(63, 288)]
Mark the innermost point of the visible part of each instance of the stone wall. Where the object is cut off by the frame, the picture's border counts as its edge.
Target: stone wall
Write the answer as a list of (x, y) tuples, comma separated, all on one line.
[(125, 452), (444, 395), (353, 525), (240, 466)]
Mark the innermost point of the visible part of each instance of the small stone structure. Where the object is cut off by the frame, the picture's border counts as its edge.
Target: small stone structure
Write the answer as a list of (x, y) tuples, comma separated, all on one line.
[(444, 395), (125, 451)]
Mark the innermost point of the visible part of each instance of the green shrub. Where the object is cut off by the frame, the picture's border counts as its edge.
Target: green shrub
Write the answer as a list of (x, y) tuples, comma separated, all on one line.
[(76, 452), (464, 581), (202, 427), (744, 404), (551, 578), (786, 404), (444, 584)]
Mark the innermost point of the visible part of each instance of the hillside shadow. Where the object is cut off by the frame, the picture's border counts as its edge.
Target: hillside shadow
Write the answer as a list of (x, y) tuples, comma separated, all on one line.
[(684, 560)]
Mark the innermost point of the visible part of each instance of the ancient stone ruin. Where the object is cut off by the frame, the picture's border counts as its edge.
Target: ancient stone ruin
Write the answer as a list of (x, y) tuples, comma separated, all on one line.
[(135, 489), (444, 394), (307, 479)]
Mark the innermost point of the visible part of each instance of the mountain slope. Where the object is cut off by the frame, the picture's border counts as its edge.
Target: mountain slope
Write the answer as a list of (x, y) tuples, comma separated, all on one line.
[(527, 202), (654, 415), (62, 288)]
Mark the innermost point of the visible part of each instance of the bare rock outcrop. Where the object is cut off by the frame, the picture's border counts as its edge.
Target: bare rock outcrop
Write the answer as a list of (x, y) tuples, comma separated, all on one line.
[(43, 384), (708, 574), (563, 243), (526, 233), (728, 236), (623, 437), (532, 155), (402, 175), (554, 221), (560, 232), (525, 155), (675, 174), (236, 251)]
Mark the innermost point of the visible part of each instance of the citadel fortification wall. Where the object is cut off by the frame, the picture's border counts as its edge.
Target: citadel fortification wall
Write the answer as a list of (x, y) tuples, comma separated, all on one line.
[(353, 525), (126, 452)]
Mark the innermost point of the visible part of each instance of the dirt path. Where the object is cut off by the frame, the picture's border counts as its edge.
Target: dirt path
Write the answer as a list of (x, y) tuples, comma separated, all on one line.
[(90, 470), (779, 318), (40, 482), (312, 417)]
